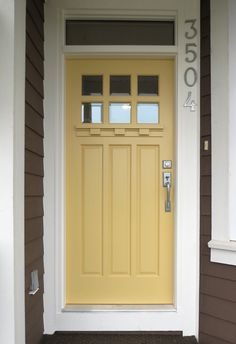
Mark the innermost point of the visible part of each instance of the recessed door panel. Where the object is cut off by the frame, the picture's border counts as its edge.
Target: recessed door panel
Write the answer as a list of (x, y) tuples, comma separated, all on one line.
[(148, 209), (120, 204), (91, 245)]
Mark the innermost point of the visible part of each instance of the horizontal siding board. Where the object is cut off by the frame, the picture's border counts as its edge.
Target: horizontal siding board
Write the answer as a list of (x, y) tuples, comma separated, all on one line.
[(31, 301), (33, 251), (34, 77), (205, 185), (33, 229), (225, 272), (205, 105), (205, 26), (35, 14), (218, 308), (34, 35), (205, 86), (33, 98), (205, 225), (33, 163), (33, 120), (33, 185), (205, 66), (33, 55), (206, 339), (205, 165), (35, 328), (205, 46), (205, 205), (206, 125), (40, 7), (33, 142), (35, 323), (205, 8), (218, 328), (218, 287), (33, 207), (204, 244)]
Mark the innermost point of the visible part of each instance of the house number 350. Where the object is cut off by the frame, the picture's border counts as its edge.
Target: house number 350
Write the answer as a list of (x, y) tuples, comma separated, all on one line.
[(190, 73)]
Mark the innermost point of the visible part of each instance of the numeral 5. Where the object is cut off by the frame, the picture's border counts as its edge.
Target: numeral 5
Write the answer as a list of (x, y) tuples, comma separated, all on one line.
[(190, 51)]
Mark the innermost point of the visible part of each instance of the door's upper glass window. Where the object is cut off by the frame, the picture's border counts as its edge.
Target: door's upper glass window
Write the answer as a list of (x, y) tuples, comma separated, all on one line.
[(91, 113), (148, 113), (119, 112), (92, 85), (119, 85), (147, 85)]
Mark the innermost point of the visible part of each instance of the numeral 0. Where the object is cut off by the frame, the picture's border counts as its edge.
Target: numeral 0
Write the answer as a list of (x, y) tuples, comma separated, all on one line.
[(190, 77)]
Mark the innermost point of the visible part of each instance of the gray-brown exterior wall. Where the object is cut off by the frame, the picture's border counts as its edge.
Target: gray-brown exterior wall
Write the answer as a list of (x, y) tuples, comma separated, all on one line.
[(34, 172), (217, 281)]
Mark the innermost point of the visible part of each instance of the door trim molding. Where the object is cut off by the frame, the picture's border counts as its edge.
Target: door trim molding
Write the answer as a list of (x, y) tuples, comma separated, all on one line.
[(184, 315)]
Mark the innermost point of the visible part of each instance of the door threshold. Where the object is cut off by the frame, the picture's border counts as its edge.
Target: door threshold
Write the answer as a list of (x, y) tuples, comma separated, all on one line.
[(119, 308)]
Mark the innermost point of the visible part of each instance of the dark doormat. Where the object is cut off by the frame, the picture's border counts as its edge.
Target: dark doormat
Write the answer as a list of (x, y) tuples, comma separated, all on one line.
[(97, 338)]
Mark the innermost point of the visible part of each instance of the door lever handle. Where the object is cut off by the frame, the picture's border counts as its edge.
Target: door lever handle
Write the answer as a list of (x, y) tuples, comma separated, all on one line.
[(168, 201), (167, 185)]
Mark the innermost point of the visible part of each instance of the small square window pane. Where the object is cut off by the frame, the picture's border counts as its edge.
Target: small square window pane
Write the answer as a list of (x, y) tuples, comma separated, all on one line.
[(119, 112), (148, 113), (92, 85), (119, 85), (91, 113), (147, 85)]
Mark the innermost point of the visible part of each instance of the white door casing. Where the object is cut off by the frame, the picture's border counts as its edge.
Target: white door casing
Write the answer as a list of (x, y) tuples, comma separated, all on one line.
[(183, 315)]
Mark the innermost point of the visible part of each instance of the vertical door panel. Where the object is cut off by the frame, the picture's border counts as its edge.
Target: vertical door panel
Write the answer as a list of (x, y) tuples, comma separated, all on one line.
[(148, 209), (92, 208), (120, 204)]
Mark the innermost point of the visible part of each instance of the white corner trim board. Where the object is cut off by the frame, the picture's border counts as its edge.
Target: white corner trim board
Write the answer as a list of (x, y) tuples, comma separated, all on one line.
[(12, 114), (183, 316), (223, 48)]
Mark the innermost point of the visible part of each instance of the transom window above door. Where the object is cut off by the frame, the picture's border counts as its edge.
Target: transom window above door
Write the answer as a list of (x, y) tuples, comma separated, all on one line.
[(119, 99), (119, 32)]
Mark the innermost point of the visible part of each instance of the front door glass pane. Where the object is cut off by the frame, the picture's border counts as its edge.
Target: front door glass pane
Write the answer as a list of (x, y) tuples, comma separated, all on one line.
[(119, 112), (91, 113), (147, 85), (91, 85), (148, 113), (119, 85)]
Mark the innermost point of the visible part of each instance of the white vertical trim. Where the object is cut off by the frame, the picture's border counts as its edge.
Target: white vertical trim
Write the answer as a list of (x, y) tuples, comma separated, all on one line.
[(12, 91), (184, 316), (51, 132), (220, 109), (232, 119)]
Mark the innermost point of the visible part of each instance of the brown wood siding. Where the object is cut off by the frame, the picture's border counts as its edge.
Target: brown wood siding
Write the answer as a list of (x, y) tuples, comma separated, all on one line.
[(34, 153), (217, 281)]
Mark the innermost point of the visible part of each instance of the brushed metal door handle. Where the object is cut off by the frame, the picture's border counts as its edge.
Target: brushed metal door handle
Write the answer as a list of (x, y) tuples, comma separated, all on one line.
[(167, 185)]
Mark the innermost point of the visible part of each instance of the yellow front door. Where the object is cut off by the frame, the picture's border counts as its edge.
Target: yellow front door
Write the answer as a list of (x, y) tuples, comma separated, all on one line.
[(119, 142)]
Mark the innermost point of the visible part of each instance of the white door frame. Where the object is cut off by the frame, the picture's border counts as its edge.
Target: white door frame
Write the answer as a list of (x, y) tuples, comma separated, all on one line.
[(183, 315)]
